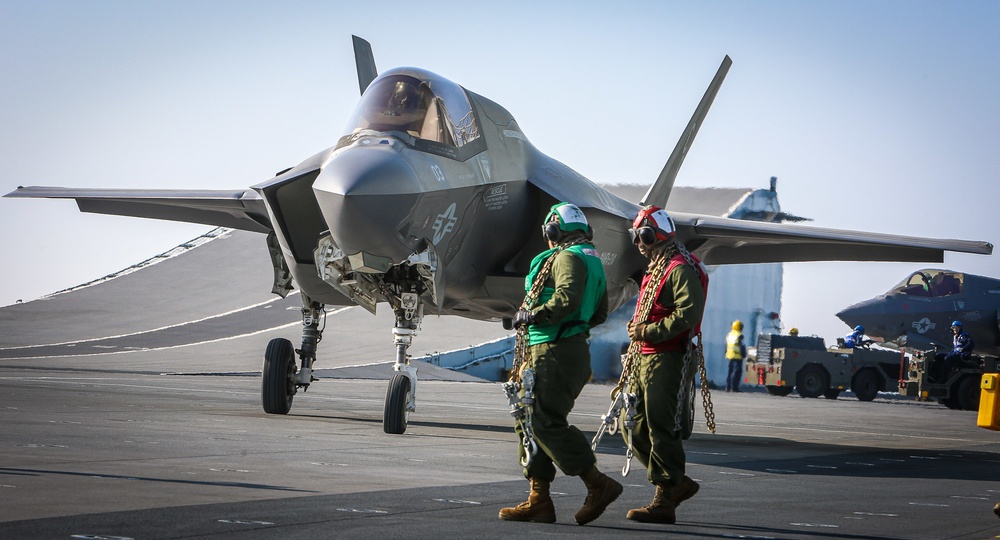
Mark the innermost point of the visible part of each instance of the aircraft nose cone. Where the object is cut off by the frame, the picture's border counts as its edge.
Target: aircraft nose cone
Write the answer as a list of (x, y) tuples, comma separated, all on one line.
[(366, 196), (869, 313)]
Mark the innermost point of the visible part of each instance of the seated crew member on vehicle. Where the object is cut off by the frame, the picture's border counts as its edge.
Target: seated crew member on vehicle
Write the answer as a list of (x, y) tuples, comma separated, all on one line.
[(856, 338), (961, 351)]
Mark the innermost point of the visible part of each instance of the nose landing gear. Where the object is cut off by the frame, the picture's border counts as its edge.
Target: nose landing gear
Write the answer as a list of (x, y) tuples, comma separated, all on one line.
[(401, 396)]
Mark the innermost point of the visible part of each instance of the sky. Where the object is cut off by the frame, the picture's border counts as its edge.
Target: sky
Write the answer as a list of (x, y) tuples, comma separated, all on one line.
[(874, 116)]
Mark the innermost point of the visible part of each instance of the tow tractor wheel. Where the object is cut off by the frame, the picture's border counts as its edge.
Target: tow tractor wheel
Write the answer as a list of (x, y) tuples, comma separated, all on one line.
[(395, 416), (687, 413), (780, 391), (278, 381), (968, 393), (812, 381), (865, 385)]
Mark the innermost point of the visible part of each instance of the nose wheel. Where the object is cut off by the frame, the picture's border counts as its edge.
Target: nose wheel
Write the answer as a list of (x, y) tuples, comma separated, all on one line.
[(396, 398), (401, 396)]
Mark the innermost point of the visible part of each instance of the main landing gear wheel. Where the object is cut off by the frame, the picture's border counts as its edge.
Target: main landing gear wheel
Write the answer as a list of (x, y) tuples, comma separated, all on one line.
[(278, 386), (395, 416)]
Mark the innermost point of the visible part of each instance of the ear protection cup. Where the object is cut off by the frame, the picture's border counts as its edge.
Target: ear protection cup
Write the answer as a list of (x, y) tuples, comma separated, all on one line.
[(590, 233), (647, 236), (551, 231)]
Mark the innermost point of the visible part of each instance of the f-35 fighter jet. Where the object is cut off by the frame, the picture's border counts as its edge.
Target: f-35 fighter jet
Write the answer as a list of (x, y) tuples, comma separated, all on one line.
[(432, 201), (918, 312)]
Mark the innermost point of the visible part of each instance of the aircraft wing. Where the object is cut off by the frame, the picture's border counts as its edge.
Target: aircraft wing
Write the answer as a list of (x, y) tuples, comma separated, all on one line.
[(237, 209), (733, 241)]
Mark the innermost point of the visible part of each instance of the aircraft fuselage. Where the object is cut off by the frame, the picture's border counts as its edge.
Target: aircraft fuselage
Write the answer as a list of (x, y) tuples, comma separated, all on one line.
[(466, 217), (920, 310)]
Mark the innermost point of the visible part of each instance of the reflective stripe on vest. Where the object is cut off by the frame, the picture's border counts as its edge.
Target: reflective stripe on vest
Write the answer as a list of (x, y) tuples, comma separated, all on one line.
[(733, 349)]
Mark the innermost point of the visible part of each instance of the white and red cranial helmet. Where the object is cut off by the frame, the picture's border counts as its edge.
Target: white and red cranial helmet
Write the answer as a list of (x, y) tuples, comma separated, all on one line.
[(652, 225)]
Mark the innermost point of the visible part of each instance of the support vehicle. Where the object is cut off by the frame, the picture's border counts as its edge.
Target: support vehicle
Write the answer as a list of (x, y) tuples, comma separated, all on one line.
[(805, 364), (959, 388)]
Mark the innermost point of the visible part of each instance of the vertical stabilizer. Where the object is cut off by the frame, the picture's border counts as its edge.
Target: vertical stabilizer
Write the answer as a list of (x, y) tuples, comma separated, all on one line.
[(365, 60), (659, 192)]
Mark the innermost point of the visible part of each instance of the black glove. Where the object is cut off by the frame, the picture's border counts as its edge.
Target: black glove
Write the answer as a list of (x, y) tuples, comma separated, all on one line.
[(523, 317)]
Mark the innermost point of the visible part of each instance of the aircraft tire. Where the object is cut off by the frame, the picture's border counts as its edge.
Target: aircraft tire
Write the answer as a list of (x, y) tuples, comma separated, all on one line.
[(394, 417), (811, 381), (780, 391), (278, 377), (865, 385), (831, 393), (968, 393)]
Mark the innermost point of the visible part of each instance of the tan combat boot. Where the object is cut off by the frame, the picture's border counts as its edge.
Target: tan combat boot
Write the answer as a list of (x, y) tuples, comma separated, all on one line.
[(601, 491), (661, 510), (538, 508), (684, 491)]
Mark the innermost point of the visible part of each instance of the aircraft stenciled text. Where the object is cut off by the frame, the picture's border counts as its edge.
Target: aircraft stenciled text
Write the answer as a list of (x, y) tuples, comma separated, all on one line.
[(438, 173), (514, 134), (495, 197)]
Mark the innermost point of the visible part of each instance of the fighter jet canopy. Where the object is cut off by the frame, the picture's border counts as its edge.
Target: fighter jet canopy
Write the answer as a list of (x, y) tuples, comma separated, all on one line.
[(930, 283), (419, 103)]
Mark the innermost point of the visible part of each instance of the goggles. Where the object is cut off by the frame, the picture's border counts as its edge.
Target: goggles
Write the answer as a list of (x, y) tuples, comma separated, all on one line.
[(634, 235)]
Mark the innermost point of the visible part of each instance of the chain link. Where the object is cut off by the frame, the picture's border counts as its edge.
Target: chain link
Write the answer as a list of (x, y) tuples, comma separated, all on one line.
[(609, 422), (706, 393), (520, 383), (521, 335), (657, 269)]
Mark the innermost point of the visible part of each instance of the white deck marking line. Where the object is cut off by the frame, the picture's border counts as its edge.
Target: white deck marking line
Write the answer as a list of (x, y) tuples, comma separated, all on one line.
[(229, 338), (88, 340), (901, 435)]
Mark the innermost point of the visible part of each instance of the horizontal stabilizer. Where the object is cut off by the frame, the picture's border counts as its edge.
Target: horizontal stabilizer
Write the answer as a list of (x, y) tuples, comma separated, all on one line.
[(237, 209), (733, 241)]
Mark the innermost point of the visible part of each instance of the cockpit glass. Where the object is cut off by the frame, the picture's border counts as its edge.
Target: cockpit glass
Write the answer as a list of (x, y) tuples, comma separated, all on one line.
[(931, 283), (418, 103)]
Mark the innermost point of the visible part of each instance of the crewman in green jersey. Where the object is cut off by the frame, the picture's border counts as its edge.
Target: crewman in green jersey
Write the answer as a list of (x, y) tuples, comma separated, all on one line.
[(573, 299)]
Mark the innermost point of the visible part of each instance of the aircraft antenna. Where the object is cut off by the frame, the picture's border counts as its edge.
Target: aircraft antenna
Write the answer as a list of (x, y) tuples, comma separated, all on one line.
[(659, 192)]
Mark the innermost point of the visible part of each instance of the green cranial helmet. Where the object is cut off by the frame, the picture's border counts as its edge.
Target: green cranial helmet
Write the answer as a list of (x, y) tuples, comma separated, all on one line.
[(568, 216), (563, 219)]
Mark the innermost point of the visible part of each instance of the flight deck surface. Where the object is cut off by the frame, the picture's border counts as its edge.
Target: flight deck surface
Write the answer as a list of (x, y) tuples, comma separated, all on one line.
[(141, 455), (116, 425)]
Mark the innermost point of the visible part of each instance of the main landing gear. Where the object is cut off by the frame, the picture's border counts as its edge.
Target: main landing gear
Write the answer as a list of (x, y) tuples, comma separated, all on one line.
[(281, 380)]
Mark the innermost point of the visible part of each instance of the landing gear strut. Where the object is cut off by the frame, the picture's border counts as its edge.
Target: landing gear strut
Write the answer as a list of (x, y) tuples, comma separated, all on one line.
[(280, 380), (401, 396)]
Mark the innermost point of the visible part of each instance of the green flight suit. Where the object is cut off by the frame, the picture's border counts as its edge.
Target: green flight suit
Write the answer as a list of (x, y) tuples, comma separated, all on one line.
[(562, 368), (658, 380)]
